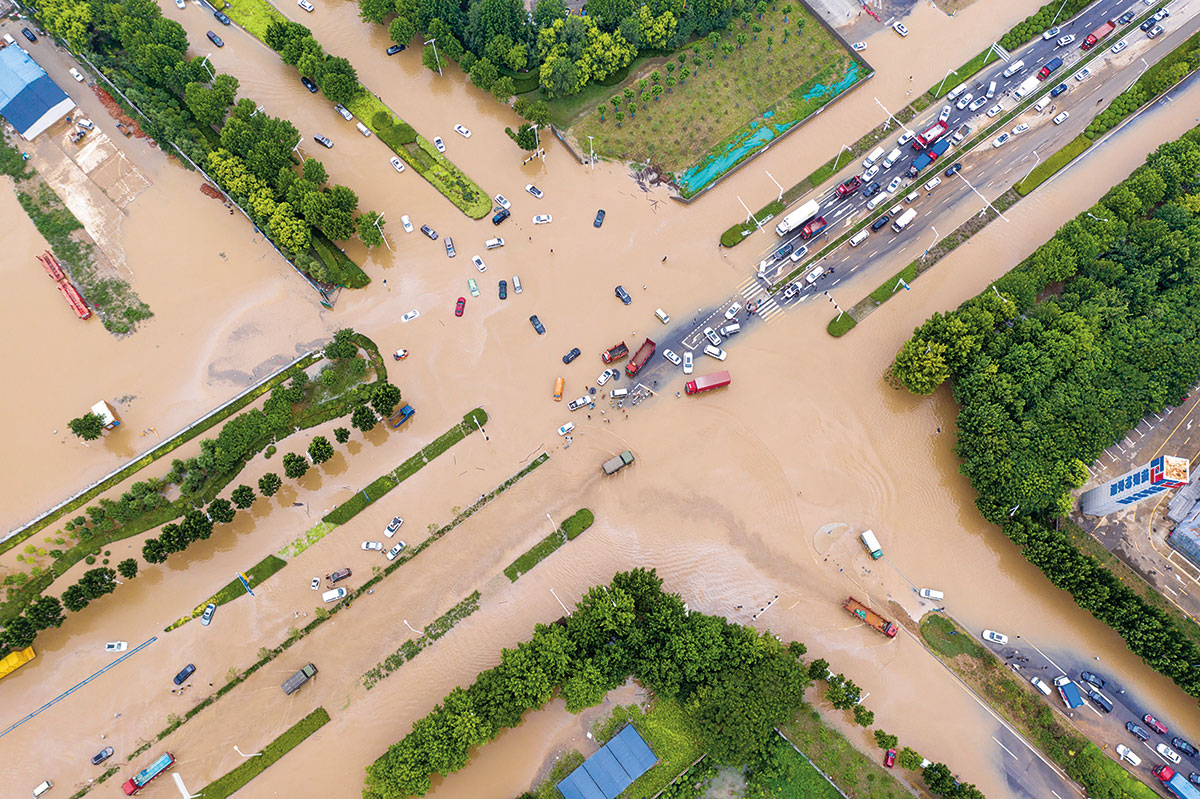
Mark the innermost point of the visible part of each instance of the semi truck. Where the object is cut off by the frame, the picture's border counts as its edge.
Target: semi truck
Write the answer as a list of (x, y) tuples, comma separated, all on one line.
[(798, 217), (1068, 691), (903, 220), (1098, 34), (707, 383), (864, 613), (293, 683), (813, 228), (928, 157), (1175, 782), (614, 353), (639, 358), (147, 775), (930, 135), (616, 464)]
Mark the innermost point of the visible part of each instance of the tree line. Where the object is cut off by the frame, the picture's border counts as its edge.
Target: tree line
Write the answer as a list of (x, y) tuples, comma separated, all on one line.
[(1057, 361)]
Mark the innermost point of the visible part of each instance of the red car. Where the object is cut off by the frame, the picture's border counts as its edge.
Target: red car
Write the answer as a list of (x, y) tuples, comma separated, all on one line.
[(1155, 724), (460, 306), (850, 186), (889, 759)]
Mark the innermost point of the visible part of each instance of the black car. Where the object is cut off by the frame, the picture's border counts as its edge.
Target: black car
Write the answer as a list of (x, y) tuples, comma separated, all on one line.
[(102, 755), (215, 39), (572, 355), (537, 325), (1057, 90), (622, 295), (1148, 24), (880, 222), (872, 188), (504, 289), (184, 673), (1127, 17), (430, 232), (1185, 746), (28, 34), (224, 20), (1094, 679), (395, 48), (324, 141), (599, 220), (1140, 733), (308, 84), (1100, 699), (449, 242), (501, 215)]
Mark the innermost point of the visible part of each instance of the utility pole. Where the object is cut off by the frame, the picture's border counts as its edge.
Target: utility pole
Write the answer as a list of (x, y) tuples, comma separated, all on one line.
[(437, 60), (379, 227)]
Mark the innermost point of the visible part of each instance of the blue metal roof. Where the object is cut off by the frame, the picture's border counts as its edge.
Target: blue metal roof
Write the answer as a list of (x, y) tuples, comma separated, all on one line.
[(26, 91), (610, 771)]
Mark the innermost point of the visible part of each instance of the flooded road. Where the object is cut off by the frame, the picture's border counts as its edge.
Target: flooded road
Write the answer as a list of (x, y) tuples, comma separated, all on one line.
[(728, 499)]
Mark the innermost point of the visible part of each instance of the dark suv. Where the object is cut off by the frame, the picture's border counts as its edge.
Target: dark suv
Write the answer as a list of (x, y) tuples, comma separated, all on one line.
[(338, 576), (880, 222), (1141, 734), (501, 215), (1184, 746), (872, 188)]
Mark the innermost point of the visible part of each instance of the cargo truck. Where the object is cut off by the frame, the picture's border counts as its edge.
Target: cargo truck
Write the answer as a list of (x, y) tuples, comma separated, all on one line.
[(401, 416), (1175, 782), (639, 358), (928, 157), (614, 353), (614, 465), (813, 228), (147, 775), (293, 683), (864, 613), (798, 217), (930, 135), (1029, 85), (1051, 65), (1068, 691), (707, 383), (1097, 35), (904, 219)]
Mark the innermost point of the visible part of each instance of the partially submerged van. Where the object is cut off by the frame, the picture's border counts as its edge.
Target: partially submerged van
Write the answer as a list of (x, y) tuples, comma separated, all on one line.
[(618, 393), (363, 129), (872, 544)]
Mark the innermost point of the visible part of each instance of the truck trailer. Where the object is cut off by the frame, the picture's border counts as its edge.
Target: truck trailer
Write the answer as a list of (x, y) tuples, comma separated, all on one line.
[(1175, 782), (798, 217), (707, 382), (1098, 34), (147, 775), (930, 135), (864, 613), (293, 683), (616, 464), (903, 220), (640, 357)]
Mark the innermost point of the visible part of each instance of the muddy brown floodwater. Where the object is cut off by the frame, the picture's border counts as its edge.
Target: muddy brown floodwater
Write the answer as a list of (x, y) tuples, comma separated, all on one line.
[(727, 498)]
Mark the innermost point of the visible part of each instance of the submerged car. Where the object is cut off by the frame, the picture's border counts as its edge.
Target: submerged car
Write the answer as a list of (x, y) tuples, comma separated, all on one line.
[(599, 220), (572, 355), (209, 610), (116, 646), (397, 164), (372, 546), (622, 295), (537, 325), (429, 232), (462, 130), (450, 251)]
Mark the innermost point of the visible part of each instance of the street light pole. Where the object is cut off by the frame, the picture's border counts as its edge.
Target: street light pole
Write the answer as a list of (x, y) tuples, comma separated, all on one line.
[(932, 243), (379, 227), (438, 60), (985, 199), (296, 149), (409, 626), (243, 754), (835, 305), (938, 93), (899, 124), (776, 182), (749, 215), (204, 63), (1060, 8), (1035, 163), (591, 155), (839, 155)]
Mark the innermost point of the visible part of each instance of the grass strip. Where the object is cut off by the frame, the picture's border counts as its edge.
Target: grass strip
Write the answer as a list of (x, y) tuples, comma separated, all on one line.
[(797, 778), (386, 482), (228, 784), (412, 647), (548, 788), (854, 772), (1046, 169), (571, 529), (234, 588)]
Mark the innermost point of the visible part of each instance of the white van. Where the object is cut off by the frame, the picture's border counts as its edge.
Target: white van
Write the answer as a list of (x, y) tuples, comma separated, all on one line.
[(662, 315), (877, 200), (10, 40), (872, 544), (932, 593), (618, 393), (991, 91), (363, 129), (516, 284), (872, 157), (492, 244), (42, 789), (912, 196), (956, 92), (892, 158), (1041, 104), (86, 124), (334, 595), (730, 329), (812, 276), (1013, 68), (859, 237)]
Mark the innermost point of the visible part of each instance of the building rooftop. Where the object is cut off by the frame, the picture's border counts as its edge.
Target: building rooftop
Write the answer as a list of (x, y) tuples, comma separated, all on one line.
[(29, 100), (610, 771)]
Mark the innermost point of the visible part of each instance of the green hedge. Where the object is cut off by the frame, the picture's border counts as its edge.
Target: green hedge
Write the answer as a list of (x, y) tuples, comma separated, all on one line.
[(1045, 170), (393, 132), (1165, 73), (571, 529), (340, 270), (233, 589), (524, 82), (235, 780)]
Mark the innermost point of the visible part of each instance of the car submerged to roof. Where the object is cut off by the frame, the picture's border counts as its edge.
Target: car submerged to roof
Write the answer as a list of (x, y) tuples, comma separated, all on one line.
[(396, 48)]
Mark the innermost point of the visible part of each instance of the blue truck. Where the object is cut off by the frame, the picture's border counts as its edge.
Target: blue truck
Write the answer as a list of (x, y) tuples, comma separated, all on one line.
[(401, 416), (1175, 782), (926, 158), (1069, 692)]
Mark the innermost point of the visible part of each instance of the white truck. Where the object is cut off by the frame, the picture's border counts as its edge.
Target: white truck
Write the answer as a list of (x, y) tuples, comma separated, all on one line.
[(798, 217), (903, 220), (1025, 88)]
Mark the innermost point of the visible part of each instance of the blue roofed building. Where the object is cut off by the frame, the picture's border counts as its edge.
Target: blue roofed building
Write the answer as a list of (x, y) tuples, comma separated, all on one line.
[(610, 771), (29, 100)]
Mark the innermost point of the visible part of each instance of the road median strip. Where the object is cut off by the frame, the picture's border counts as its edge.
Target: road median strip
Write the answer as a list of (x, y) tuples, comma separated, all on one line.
[(571, 529), (235, 780)]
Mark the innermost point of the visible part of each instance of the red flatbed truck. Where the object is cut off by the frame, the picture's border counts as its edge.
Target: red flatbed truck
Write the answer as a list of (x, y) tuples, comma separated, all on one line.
[(1098, 34), (707, 382), (640, 357), (614, 353), (864, 613)]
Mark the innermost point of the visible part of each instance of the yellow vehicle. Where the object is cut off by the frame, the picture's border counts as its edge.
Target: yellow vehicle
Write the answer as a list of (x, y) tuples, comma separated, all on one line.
[(558, 389)]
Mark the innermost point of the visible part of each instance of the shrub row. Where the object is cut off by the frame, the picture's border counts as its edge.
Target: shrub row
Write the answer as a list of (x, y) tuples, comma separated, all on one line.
[(229, 784), (413, 646), (571, 529)]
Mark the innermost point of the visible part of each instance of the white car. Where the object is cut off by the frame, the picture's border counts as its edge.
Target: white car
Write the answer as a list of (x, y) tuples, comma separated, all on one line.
[(942, 117), (605, 376), (1064, 41), (534, 190), (1050, 34), (516, 284), (999, 639), (1118, 47), (933, 184), (543, 219), (963, 101), (408, 226), (733, 310), (1040, 684), (411, 315), (870, 173), (672, 357), (1000, 140), (1168, 753), (714, 352), (1125, 753), (396, 550), (502, 202), (439, 144), (566, 428), (397, 164), (978, 103), (462, 130), (1019, 129), (116, 646), (687, 362), (76, 74), (1061, 118), (712, 336), (393, 526), (1082, 74), (345, 114), (372, 546), (315, 584), (479, 264), (931, 593), (895, 184), (900, 29), (905, 138), (307, 6), (994, 110)]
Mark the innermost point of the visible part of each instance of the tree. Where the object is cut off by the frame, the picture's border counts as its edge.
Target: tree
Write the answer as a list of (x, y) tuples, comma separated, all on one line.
[(375, 10), (269, 483), (863, 717), (21, 633), (886, 740), (909, 759), (88, 427), (370, 227), (921, 365), (385, 398), (242, 496), (74, 599), (128, 568), (341, 435), (338, 80), (363, 419), (548, 12), (294, 466), (290, 232), (741, 38), (221, 510), (537, 112), (210, 104), (818, 669), (401, 30), (431, 59), (320, 450), (488, 19), (342, 346), (98, 582), (503, 88), (153, 551), (45, 612)]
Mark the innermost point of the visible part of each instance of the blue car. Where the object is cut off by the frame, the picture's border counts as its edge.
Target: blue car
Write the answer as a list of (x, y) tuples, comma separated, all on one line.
[(599, 220), (504, 289), (623, 295), (501, 215), (215, 39), (537, 325), (224, 20), (572, 355), (954, 170), (1057, 90)]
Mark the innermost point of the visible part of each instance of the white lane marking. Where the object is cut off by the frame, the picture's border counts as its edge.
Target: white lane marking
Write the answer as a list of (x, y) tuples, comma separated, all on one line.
[(1005, 748), (1047, 657)]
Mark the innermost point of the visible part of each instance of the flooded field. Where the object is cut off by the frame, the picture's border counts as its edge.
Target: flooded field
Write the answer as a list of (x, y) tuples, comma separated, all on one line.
[(728, 498)]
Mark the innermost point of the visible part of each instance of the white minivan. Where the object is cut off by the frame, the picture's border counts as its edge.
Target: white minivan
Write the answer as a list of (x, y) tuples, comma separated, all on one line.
[(859, 237), (363, 129), (872, 157), (1013, 68), (492, 244), (334, 595), (42, 789), (877, 200), (516, 284), (892, 158), (1041, 104), (663, 316), (956, 92), (991, 90)]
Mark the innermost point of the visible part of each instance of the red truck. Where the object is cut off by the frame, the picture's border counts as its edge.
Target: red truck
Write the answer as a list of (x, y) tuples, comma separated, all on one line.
[(813, 228), (930, 135), (615, 353), (1175, 782), (850, 186), (1098, 34), (707, 383), (864, 613), (640, 357)]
